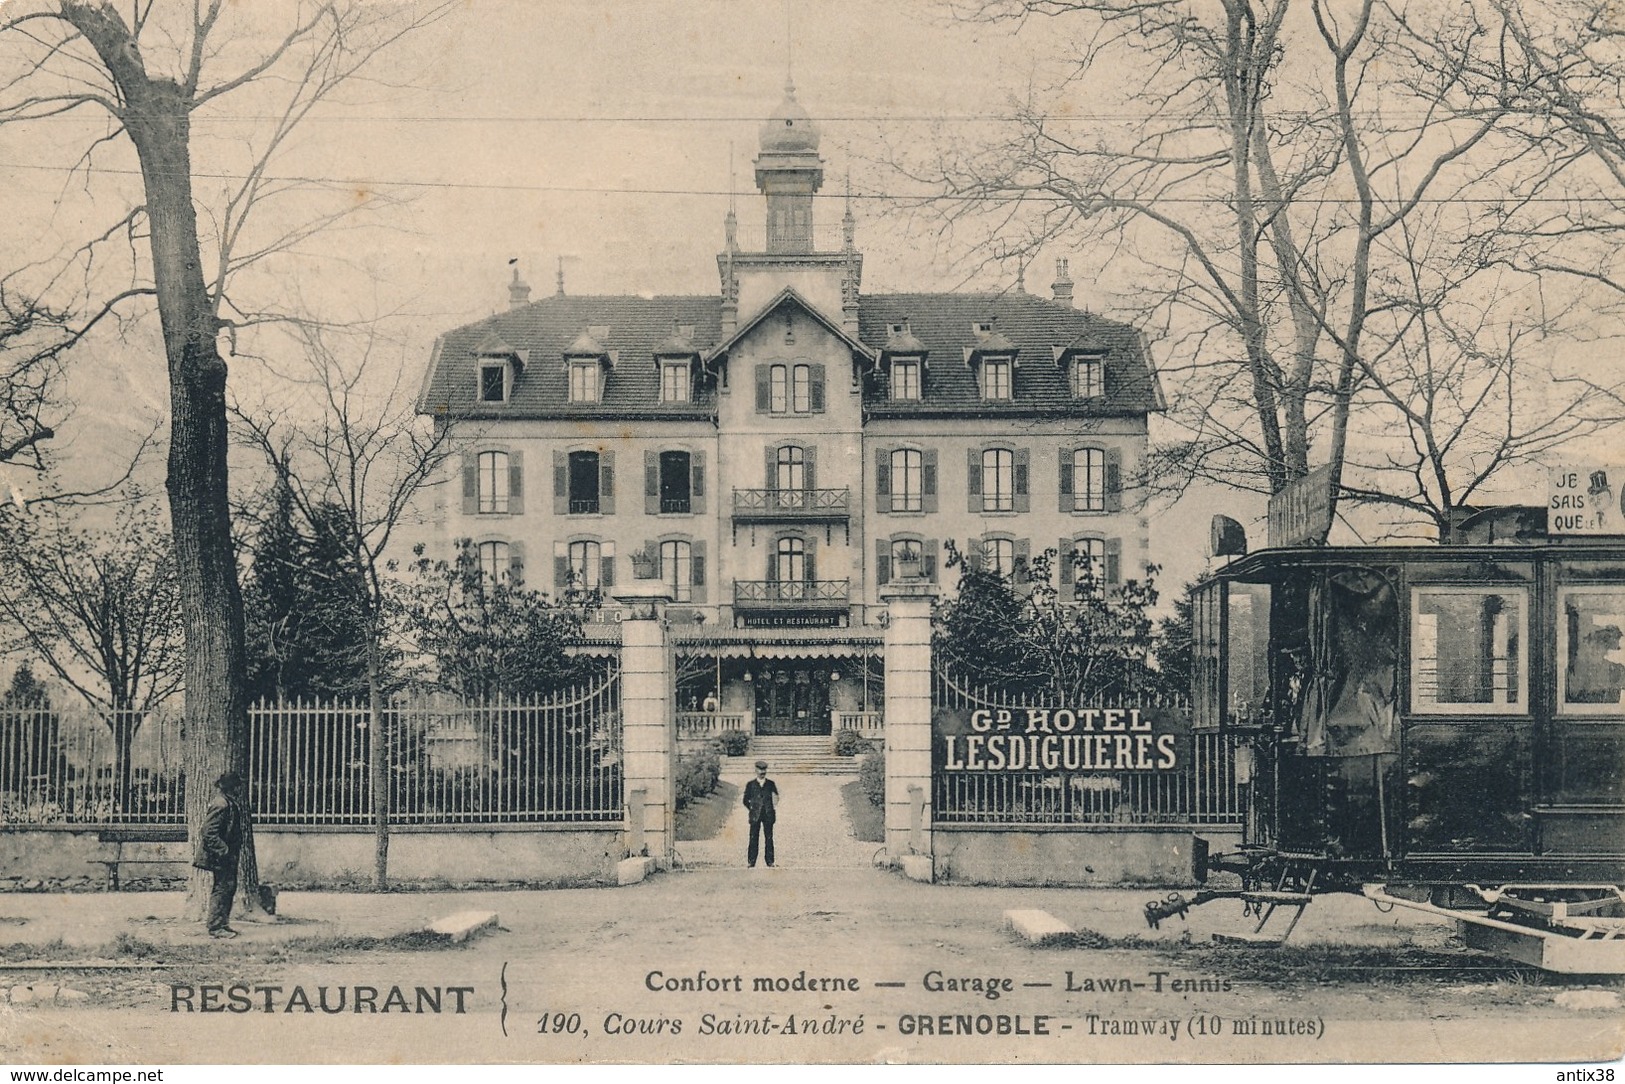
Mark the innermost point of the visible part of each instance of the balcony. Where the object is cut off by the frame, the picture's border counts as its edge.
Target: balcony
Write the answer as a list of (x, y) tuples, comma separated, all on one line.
[(785, 505), (786, 596)]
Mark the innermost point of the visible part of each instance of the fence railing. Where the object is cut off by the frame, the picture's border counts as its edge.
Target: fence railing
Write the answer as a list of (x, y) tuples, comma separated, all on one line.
[(791, 503), (556, 759), (812, 593), (871, 724), (1200, 789), (693, 726)]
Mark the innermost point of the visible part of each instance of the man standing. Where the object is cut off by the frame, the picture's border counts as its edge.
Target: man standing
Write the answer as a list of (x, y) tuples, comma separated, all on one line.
[(219, 847), (762, 799)]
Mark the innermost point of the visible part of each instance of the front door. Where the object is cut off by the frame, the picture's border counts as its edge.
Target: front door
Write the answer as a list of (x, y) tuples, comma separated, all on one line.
[(792, 699)]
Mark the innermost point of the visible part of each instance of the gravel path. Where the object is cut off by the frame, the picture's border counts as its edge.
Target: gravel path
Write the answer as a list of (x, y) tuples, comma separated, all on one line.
[(812, 831)]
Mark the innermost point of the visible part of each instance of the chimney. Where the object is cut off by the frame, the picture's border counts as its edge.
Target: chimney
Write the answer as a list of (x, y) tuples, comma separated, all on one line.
[(1062, 286), (518, 290)]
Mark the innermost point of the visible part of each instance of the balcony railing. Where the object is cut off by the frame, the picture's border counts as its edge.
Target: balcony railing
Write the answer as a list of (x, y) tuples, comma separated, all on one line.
[(791, 594), (791, 504)]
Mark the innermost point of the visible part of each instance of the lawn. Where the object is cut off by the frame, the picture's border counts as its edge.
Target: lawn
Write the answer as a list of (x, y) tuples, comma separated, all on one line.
[(704, 818)]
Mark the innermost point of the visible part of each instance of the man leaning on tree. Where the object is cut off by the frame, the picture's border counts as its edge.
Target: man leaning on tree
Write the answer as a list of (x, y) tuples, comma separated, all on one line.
[(218, 848)]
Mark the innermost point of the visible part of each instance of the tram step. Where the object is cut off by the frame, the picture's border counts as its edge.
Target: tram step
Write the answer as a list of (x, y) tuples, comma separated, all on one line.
[(1265, 896)]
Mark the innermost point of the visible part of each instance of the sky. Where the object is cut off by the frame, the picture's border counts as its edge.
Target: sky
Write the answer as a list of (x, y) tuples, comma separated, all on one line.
[(607, 136)]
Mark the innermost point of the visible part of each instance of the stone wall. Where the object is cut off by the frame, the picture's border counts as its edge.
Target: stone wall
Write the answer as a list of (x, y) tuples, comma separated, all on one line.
[(1096, 856)]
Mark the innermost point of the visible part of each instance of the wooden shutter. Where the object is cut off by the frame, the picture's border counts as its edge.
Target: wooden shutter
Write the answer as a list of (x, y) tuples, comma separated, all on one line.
[(561, 568), (561, 483), (928, 479), (809, 470), (770, 460), (928, 562), (606, 566), (1114, 562), (516, 563), (1024, 557), (811, 572), (882, 479), (651, 483), (973, 554), (1114, 479), (697, 570), (696, 485), (882, 561), (815, 392), (764, 390), (471, 484), (1023, 463), (973, 479), (1068, 501), (606, 483), (516, 483)]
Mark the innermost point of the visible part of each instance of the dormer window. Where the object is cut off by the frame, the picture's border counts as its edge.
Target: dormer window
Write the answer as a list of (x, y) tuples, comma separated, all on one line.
[(676, 381), (494, 380), (584, 380), (905, 378), (1088, 376), (996, 378)]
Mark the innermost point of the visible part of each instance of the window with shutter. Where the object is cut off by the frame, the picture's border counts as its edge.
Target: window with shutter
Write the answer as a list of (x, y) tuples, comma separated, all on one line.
[(494, 558), (677, 569), (764, 391), (1114, 480), (561, 483), (697, 486), (882, 561), (1089, 480), (516, 563), (606, 483), (928, 561), (676, 480), (651, 483), (516, 483), (973, 480), (471, 485), (585, 483), (815, 398), (697, 576), (882, 480), (907, 480), (998, 480), (1023, 470), (928, 481)]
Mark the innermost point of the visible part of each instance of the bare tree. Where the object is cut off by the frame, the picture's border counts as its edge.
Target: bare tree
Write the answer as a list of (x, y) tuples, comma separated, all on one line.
[(100, 611), (150, 74), (353, 468), (1269, 174)]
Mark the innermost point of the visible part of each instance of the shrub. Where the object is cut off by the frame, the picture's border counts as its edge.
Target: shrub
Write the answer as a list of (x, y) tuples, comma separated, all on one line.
[(697, 776), (734, 742), (849, 743), (872, 777)]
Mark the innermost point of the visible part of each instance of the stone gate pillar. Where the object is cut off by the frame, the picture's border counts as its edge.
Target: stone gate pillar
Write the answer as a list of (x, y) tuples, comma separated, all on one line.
[(908, 723), (649, 725)]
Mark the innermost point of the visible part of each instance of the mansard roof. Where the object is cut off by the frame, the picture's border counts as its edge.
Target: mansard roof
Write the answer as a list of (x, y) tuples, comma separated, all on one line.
[(1036, 330)]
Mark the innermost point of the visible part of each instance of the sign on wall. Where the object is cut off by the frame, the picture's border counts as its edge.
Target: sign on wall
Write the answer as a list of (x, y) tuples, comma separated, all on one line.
[(1083, 739), (1586, 499), (1302, 512)]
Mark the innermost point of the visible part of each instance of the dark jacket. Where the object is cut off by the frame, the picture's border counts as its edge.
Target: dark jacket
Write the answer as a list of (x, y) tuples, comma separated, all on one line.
[(222, 839), (760, 799)]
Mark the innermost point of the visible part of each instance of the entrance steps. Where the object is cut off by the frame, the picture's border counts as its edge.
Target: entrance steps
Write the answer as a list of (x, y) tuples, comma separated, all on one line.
[(792, 755)]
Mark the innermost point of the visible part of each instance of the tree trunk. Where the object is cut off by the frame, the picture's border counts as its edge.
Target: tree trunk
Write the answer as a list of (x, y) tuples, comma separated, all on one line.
[(157, 117), (378, 766)]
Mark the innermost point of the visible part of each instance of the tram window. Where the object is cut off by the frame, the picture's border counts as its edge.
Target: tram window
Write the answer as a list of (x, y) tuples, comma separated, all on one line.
[(1591, 628), (1467, 650), (1205, 603), (1248, 659)]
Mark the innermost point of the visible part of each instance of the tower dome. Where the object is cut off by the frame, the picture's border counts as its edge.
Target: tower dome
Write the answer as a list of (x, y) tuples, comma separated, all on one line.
[(789, 130)]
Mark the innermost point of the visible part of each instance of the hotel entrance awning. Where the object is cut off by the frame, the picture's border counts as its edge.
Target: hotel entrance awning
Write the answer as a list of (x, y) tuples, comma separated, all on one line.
[(778, 643)]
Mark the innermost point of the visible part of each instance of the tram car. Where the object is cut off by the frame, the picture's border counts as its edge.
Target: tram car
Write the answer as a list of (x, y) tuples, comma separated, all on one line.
[(1439, 727)]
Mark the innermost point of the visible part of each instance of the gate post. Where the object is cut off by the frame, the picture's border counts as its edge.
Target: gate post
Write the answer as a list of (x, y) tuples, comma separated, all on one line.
[(908, 723), (649, 731)]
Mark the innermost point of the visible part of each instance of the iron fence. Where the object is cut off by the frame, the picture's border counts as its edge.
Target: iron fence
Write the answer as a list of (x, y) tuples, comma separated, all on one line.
[(1200, 789), (552, 759)]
